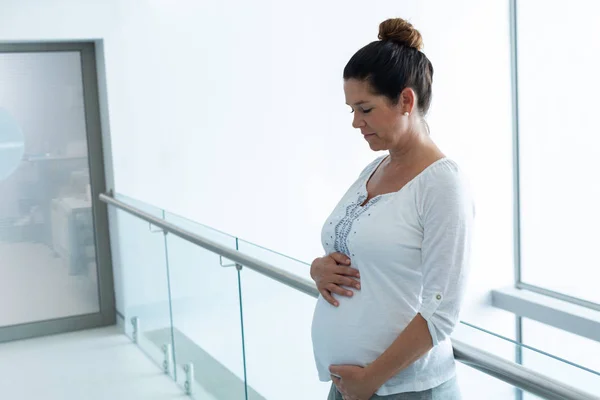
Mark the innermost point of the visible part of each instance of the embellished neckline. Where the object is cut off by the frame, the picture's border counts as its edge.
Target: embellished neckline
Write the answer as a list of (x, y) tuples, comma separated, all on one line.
[(365, 192)]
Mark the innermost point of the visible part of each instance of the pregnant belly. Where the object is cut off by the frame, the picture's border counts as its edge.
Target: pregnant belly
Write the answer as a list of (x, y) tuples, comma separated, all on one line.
[(356, 332)]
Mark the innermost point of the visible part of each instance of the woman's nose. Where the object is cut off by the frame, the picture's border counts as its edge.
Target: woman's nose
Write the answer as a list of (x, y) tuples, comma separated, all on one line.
[(357, 121)]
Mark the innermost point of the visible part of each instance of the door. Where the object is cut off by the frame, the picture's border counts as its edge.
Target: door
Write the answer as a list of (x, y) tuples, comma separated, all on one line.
[(55, 269)]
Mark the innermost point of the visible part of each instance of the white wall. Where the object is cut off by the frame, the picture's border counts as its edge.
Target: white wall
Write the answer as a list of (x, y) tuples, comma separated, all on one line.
[(232, 113), (268, 143), (468, 44)]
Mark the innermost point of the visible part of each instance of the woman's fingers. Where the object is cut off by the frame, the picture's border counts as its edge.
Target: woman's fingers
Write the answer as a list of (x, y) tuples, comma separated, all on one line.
[(333, 288), (347, 271), (345, 281), (328, 297), (340, 258)]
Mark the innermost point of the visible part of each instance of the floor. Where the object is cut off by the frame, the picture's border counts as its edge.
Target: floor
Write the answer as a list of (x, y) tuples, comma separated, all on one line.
[(39, 287), (98, 364)]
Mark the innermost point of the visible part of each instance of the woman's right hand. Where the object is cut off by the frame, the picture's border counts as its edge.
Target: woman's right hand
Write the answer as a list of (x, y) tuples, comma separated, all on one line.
[(332, 272)]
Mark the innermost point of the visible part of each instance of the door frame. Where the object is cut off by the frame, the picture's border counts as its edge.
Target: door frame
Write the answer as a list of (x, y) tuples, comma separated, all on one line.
[(104, 269)]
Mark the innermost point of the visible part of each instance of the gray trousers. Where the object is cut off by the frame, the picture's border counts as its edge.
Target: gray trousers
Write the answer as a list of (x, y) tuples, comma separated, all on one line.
[(446, 391)]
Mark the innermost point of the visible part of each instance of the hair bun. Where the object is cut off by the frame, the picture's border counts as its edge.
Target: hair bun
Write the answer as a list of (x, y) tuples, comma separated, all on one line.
[(401, 32)]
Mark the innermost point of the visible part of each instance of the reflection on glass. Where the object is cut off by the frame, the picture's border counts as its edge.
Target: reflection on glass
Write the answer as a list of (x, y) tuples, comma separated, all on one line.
[(47, 243)]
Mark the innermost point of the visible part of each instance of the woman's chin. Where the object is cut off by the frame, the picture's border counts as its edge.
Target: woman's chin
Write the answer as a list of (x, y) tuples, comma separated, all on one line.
[(376, 147)]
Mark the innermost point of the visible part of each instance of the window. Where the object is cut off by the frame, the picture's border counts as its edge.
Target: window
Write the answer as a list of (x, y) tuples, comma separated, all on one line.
[(559, 145)]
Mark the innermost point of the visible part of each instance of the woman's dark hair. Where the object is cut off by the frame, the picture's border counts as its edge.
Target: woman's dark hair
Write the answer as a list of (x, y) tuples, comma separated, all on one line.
[(394, 63)]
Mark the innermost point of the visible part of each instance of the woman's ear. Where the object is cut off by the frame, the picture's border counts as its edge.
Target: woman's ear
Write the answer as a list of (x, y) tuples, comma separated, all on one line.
[(407, 101)]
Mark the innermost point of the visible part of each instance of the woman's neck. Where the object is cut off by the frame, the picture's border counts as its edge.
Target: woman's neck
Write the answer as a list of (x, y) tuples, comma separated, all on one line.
[(414, 149)]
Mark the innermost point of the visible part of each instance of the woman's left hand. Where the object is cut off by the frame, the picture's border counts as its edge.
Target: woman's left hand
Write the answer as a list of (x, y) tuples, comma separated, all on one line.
[(354, 382)]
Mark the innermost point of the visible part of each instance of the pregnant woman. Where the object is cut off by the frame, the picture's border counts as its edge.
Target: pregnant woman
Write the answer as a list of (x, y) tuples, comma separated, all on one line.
[(398, 242)]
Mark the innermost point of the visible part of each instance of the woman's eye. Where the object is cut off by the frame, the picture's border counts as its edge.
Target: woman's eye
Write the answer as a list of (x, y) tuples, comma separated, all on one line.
[(362, 111)]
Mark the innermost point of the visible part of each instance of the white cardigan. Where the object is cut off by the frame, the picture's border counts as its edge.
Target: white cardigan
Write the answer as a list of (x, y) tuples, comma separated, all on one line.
[(412, 249)]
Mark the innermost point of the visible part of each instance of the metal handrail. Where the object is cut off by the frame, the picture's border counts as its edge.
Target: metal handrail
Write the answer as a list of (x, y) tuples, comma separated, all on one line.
[(507, 371)]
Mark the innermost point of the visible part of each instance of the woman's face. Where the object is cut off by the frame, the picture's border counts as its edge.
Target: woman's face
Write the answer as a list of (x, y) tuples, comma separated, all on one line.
[(383, 125)]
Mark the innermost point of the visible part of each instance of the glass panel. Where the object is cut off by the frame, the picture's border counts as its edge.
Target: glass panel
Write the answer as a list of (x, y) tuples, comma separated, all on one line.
[(584, 353), (206, 314), (140, 266), (476, 385), (559, 144), (277, 324), (532, 357), (490, 341), (473, 382), (47, 243), (281, 261)]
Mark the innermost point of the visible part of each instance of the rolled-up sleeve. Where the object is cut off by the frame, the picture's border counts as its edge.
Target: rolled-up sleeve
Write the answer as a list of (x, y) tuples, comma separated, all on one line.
[(447, 215)]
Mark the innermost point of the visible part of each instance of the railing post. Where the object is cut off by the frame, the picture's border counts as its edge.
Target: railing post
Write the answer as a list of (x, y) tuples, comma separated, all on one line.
[(168, 361), (135, 321), (189, 378)]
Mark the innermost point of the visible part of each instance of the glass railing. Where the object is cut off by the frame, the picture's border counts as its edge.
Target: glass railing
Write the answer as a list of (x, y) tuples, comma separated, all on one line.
[(224, 331), (277, 321), (206, 315), (561, 370), (549, 365), (139, 253)]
